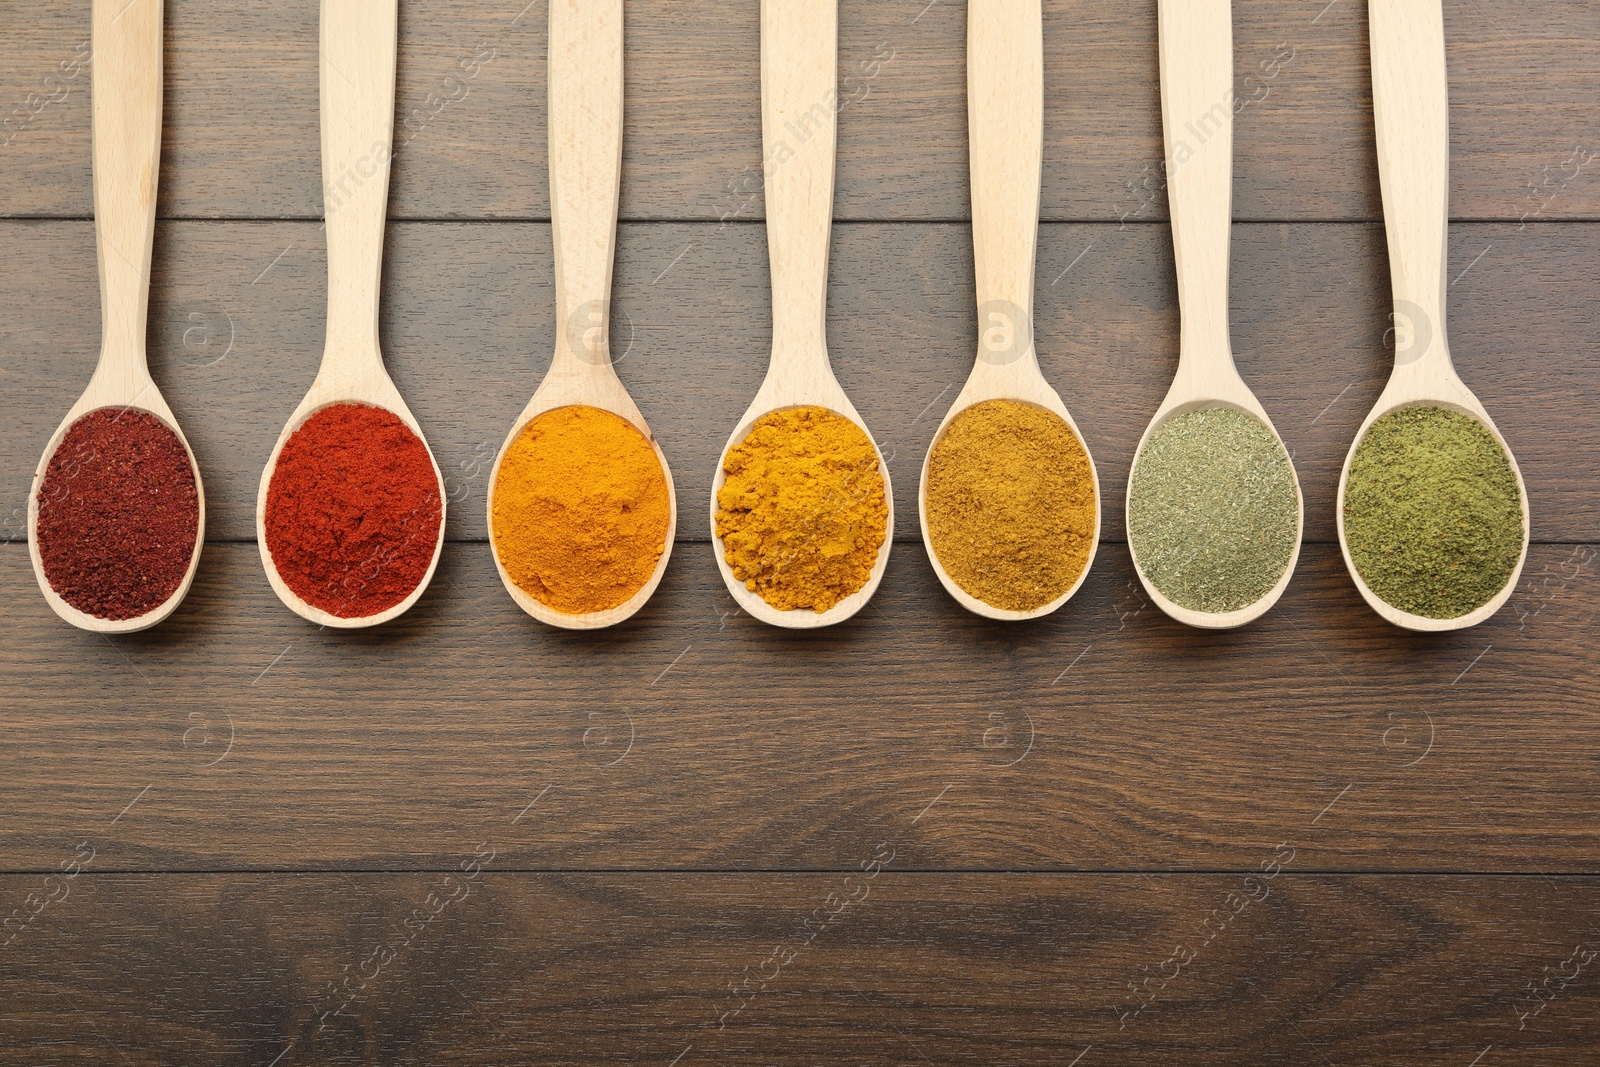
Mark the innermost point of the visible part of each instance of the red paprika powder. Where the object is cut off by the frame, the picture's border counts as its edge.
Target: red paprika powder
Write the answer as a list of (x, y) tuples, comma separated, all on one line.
[(353, 511), (118, 514)]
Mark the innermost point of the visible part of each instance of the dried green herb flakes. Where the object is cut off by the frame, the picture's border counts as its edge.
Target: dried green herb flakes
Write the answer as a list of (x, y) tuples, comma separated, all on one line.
[(1213, 509), (1432, 512)]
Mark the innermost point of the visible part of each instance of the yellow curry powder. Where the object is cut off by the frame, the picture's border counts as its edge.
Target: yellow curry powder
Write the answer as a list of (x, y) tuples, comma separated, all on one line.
[(580, 509), (1011, 504), (802, 512)]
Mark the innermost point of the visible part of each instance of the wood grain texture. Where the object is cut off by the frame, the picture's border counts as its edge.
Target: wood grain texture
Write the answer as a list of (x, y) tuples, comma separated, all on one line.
[(978, 969), (1104, 737), (670, 801), (242, 115), (468, 326)]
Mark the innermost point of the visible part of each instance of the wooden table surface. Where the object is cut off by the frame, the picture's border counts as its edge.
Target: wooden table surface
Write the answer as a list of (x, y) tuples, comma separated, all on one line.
[(918, 837)]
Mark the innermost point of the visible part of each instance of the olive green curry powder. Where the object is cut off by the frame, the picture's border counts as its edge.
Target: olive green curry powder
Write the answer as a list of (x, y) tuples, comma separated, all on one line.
[(1432, 512), (1213, 509)]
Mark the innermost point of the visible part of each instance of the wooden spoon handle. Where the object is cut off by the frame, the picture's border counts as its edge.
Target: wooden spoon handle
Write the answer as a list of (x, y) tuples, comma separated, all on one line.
[(585, 135), (1411, 111), (126, 78), (357, 93), (1196, 39), (1005, 132), (799, 105)]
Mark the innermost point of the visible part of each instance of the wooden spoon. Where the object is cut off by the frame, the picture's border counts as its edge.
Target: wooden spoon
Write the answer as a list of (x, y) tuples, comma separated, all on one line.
[(799, 105), (1411, 109), (1197, 123), (126, 80), (358, 39), (1005, 131), (585, 135)]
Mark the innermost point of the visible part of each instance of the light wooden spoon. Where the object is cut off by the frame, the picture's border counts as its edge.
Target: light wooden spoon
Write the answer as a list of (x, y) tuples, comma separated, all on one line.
[(1196, 39), (1411, 109), (1005, 133), (799, 105), (358, 39), (585, 135), (126, 79)]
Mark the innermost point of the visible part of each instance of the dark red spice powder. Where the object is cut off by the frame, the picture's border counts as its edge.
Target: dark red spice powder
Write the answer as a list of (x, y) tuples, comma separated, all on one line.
[(353, 511), (118, 514)]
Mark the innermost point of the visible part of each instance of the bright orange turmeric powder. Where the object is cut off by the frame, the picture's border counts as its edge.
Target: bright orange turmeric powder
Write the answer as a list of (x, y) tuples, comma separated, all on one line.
[(581, 510)]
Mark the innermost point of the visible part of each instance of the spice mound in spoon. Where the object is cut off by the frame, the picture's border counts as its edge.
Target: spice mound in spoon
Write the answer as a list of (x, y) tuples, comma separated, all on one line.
[(118, 514), (581, 509), (1011, 504), (802, 511), (1432, 512), (353, 511), (1212, 509)]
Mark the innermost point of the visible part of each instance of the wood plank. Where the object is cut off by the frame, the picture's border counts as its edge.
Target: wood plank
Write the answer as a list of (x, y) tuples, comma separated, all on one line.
[(236, 332), (242, 111), (977, 969), (1073, 806), (1104, 737)]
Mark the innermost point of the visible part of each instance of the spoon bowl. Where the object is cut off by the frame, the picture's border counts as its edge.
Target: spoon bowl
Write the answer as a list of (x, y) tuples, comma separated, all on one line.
[(1201, 398), (585, 135), (357, 78), (552, 395), (767, 401), (126, 98), (1404, 394), (799, 82), (1196, 44), (1411, 113), (98, 396), (330, 390), (1042, 397), (1005, 128)]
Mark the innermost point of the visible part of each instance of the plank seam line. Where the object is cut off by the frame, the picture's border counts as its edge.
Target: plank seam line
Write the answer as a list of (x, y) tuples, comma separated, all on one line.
[(1107, 872), (651, 220)]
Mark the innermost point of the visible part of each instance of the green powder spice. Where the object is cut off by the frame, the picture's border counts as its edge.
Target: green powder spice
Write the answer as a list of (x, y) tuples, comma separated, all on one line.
[(1213, 510), (1432, 512)]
